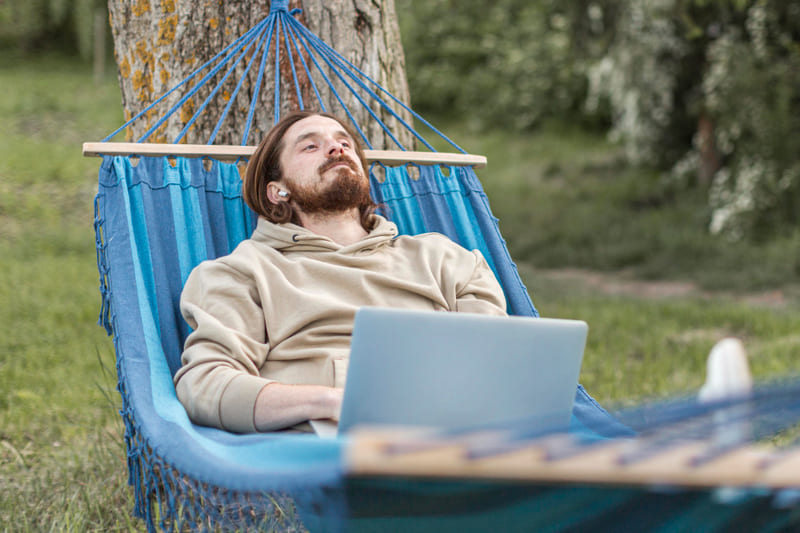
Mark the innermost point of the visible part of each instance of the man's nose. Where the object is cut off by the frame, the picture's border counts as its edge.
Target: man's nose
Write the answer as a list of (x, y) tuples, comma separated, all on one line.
[(335, 148)]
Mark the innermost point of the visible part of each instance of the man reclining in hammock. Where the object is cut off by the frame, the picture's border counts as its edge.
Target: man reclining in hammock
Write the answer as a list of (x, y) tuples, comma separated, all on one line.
[(272, 321)]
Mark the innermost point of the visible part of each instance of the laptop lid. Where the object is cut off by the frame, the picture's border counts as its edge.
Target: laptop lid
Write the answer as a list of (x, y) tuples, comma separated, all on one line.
[(460, 370)]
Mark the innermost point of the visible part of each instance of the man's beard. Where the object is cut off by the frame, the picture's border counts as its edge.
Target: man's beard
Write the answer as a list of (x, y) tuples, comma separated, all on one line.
[(348, 189)]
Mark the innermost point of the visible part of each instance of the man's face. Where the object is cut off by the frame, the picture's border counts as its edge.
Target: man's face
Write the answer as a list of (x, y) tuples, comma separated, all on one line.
[(321, 168)]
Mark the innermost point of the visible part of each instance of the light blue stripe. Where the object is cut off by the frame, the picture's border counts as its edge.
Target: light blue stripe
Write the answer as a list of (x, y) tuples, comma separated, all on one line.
[(401, 199), (230, 185), (181, 232), (476, 236), (463, 217), (234, 222), (196, 235), (187, 218)]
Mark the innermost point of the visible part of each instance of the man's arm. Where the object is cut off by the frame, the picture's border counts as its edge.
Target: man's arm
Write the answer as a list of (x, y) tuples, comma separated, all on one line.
[(481, 292), (219, 381)]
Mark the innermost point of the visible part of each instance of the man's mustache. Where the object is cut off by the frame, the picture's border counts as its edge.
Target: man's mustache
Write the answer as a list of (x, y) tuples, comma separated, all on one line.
[(333, 161)]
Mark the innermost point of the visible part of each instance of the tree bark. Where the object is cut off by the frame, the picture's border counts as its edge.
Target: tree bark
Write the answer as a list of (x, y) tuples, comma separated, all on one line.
[(157, 43), (709, 155)]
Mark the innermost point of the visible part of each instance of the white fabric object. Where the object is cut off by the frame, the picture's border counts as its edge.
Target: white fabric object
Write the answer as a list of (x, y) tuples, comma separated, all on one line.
[(728, 372)]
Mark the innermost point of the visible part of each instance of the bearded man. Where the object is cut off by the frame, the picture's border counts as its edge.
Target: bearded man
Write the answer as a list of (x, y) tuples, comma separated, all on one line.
[(272, 321)]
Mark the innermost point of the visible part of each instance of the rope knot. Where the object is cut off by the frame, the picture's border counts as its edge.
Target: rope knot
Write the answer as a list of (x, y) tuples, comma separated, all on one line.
[(279, 5)]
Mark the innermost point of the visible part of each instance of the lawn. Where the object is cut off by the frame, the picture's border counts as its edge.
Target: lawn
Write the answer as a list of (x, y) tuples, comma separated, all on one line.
[(564, 199), (62, 459)]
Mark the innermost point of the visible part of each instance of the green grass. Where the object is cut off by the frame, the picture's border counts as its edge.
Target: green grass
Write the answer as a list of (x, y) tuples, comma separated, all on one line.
[(564, 200), (641, 349), (61, 452)]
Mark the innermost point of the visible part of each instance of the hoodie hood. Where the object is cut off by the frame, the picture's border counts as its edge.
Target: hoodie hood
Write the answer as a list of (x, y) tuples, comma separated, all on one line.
[(293, 238)]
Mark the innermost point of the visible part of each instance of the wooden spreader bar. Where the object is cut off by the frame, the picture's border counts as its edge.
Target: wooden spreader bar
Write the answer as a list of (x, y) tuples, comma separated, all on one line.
[(231, 153), (378, 453)]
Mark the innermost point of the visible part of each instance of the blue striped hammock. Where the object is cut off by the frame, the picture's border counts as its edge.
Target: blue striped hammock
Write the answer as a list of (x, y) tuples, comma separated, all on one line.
[(155, 221)]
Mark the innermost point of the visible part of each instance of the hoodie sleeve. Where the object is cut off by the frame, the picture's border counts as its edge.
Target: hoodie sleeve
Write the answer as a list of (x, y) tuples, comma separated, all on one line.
[(219, 379), (480, 292)]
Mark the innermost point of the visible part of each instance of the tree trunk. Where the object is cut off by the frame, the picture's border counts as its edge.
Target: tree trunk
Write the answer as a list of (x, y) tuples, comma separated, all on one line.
[(159, 43), (709, 155)]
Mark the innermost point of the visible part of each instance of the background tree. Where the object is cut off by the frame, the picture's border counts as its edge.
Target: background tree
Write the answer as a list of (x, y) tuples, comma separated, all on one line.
[(33, 24), (710, 90), (158, 43), (508, 63)]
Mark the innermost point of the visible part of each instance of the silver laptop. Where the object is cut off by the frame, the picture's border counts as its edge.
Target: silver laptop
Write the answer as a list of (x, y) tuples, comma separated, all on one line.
[(458, 370)]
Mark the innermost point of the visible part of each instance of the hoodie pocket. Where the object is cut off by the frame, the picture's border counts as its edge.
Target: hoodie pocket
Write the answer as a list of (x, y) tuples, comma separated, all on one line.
[(340, 372)]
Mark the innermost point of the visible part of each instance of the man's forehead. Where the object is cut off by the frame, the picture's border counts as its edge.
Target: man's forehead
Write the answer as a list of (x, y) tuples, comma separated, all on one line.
[(314, 125)]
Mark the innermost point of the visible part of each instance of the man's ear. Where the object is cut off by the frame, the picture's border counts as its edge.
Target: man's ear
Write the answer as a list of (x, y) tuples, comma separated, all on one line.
[(276, 193)]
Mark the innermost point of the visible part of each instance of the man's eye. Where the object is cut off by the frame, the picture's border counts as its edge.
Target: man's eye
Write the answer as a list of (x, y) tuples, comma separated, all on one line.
[(309, 147), (346, 144)]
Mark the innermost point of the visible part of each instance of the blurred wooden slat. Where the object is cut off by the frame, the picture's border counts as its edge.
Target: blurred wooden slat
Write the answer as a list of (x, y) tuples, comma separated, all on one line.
[(231, 153)]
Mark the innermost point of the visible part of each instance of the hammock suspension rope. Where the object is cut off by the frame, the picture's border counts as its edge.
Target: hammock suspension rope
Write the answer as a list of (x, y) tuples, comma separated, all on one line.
[(281, 36)]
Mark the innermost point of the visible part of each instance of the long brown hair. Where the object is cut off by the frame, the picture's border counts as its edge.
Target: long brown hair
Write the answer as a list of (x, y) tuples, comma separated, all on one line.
[(264, 167)]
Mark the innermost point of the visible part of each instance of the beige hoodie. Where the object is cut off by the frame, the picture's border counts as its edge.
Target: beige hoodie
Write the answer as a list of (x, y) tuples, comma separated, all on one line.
[(281, 308)]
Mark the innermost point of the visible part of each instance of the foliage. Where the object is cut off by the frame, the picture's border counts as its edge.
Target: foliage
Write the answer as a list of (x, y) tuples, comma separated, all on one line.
[(505, 64), (752, 91), (711, 90), (639, 77), (67, 24)]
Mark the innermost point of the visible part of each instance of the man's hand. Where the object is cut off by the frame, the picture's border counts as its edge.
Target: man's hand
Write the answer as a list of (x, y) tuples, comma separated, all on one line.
[(279, 406)]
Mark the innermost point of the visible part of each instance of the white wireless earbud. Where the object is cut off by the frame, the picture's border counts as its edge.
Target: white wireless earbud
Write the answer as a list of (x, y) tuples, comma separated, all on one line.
[(283, 194)]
